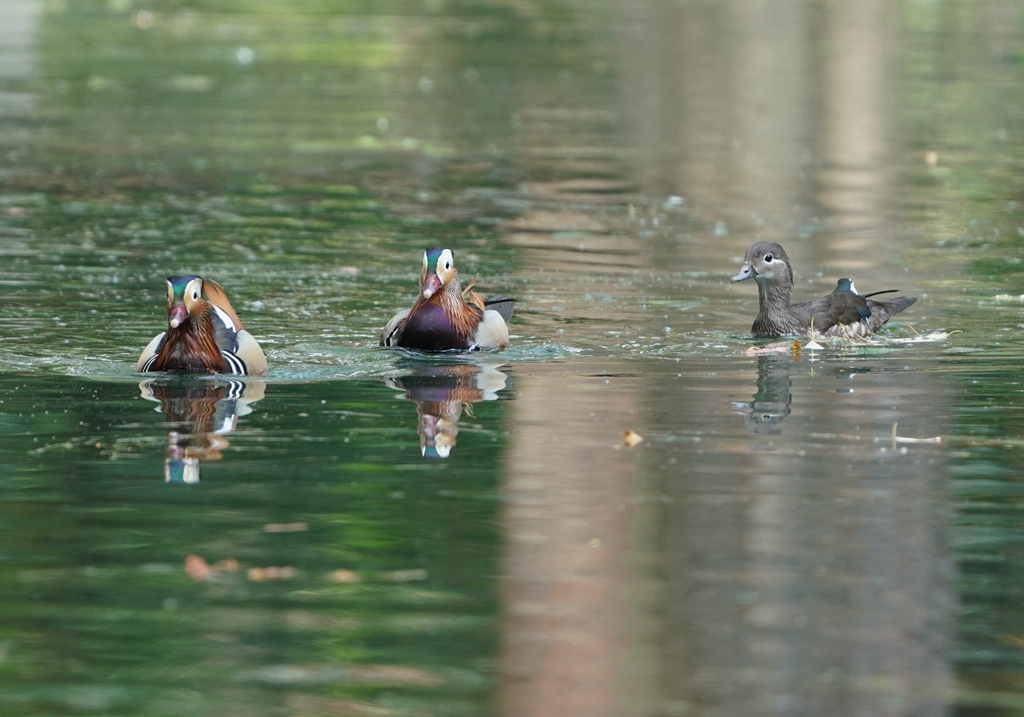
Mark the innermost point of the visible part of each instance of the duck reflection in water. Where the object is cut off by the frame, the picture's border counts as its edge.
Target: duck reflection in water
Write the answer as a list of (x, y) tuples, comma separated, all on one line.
[(771, 404), (441, 394), (198, 411)]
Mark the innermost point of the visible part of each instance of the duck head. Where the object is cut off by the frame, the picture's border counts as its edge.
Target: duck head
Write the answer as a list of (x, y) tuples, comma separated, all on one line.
[(843, 285), (184, 298), (438, 271), (766, 263)]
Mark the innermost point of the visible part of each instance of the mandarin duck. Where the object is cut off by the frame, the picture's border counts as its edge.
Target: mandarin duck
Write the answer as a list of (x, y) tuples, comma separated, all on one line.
[(843, 313), (447, 317), (204, 334)]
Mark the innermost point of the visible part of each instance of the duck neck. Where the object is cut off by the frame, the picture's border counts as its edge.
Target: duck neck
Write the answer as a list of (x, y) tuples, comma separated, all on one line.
[(773, 296), (463, 319)]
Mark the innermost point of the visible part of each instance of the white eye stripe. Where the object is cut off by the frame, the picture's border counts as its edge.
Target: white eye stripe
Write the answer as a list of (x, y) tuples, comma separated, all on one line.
[(194, 289)]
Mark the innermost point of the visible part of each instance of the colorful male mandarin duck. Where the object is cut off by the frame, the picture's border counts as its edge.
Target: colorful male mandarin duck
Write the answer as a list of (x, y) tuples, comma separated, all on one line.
[(844, 312), (446, 317), (204, 334)]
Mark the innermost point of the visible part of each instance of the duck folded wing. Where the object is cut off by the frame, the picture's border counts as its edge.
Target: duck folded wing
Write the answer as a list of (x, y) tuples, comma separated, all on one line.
[(389, 336)]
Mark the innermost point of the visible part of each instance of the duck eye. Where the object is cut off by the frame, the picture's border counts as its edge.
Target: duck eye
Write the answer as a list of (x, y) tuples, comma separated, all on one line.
[(447, 265), (768, 258), (195, 295)]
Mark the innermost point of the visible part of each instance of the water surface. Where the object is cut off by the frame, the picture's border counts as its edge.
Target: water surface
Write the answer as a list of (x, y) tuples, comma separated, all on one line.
[(373, 532)]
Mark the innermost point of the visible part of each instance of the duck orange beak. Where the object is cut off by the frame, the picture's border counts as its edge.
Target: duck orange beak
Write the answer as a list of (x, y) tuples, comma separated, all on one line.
[(176, 314), (431, 285)]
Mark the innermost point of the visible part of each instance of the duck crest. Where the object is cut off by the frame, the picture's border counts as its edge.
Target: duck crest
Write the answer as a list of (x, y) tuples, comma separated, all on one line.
[(432, 255)]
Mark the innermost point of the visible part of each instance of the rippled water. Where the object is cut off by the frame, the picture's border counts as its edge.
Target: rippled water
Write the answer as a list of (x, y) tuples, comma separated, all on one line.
[(622, 514)]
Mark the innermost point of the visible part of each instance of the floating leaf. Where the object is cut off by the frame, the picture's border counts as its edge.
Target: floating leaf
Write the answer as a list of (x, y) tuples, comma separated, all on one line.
[(632, 438)]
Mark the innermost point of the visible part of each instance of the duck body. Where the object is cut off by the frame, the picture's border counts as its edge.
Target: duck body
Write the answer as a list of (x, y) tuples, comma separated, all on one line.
[(204, 334), (430, 329), (446, 317), (843, 313)]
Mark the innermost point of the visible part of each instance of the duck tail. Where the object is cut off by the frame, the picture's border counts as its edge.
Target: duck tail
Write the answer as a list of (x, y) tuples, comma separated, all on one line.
[(502, 304)]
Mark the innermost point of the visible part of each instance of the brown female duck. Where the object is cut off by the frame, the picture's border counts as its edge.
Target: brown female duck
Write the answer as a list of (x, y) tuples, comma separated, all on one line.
[(844, 312)]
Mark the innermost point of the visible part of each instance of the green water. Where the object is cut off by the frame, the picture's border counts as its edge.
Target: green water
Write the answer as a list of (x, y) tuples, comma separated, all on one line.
[(370, 532)]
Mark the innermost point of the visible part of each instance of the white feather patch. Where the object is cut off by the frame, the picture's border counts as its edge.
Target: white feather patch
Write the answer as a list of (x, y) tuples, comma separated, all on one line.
[(492, 333)]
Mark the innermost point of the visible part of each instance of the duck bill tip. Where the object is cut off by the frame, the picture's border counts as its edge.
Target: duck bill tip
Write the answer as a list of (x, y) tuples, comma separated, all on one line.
[(176, 314), (431, 285)]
